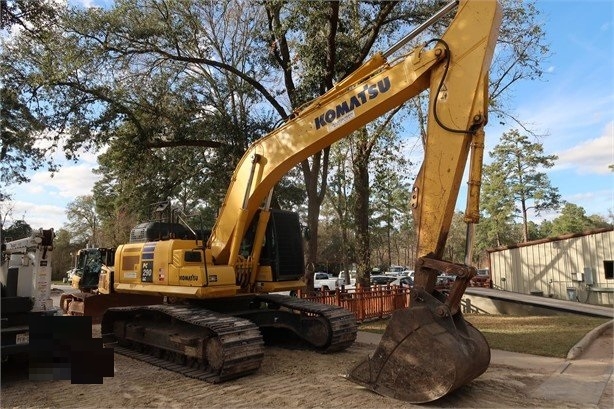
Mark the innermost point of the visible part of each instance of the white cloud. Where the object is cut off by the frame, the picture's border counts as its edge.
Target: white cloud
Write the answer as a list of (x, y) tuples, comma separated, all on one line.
[(592, 156), (68, 182), (39, 215), (567, 118), (42, 202), (595, 202), (605, 27), (589, 197)]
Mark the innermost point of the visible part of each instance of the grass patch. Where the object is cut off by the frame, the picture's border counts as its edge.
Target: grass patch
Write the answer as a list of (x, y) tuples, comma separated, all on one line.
[(538, 335)]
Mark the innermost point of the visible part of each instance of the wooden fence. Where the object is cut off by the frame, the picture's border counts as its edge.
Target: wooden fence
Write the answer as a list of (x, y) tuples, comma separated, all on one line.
[(366, 303)]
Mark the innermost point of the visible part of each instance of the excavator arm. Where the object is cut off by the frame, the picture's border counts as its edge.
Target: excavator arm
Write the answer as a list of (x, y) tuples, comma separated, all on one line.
[(428, 349)]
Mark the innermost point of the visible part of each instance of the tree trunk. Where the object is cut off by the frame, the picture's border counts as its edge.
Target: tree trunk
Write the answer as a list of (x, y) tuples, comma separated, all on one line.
[(315, 175), (361, 210), (525, 221)]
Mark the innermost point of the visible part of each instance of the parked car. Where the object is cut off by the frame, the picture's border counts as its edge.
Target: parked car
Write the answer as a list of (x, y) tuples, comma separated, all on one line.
[(444, 281), (381, 279), (481, 279), (395, 271), (405, 282), (325, 282)]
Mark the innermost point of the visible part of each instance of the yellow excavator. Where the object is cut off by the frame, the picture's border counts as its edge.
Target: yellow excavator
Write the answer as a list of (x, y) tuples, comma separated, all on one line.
[(220, 306)]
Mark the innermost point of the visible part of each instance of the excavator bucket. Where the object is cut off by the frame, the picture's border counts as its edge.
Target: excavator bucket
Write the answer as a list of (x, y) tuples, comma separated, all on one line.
[(424, 354)]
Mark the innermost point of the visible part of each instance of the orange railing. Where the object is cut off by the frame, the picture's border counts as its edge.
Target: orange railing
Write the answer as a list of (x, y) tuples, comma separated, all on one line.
[(366, 303)]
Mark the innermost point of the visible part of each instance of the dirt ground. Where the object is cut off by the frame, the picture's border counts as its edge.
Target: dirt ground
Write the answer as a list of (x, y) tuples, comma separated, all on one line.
[(286, 379)]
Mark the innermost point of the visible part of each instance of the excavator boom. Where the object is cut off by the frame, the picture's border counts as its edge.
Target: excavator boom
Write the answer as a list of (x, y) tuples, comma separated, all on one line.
[(455, 71)]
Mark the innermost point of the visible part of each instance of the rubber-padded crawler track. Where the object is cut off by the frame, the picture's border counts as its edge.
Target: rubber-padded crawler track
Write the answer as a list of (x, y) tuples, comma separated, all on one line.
[(241, 342), (342, 322)]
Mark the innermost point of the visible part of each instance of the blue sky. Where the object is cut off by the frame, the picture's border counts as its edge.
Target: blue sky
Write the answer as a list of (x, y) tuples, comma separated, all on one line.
[(573, 105)]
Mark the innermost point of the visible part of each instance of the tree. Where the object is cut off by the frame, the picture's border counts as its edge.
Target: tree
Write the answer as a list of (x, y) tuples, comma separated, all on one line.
[(407, 241), (63, 250), (455, 245), (340, 198), (83, 223), (6, 211), (497, 205), (27, 14), (142, 77), (521, 54), (19, 229), (20, 127), (518, 161), (321, 43), (600, 221), (375, 137), (390, 192), (573, 219), (360, 159), (152, 74), (198, 113)]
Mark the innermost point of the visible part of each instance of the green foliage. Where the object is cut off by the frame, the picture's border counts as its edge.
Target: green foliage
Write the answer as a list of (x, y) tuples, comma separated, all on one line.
[(18, 152), (455, 246), (390, 196), (20, 126), (64, 247), (534, 231), (83, 223), (573, 219), (337, 233), (515, 175), (18, 230), (138, 78), (27, 14), (497, 204)]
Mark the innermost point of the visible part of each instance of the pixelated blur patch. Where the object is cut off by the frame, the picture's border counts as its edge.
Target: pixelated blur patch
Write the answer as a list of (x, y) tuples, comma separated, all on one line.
[(62, 348)]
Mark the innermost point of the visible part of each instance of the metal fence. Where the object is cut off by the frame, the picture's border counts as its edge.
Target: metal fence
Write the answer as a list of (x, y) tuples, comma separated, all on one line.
[(366, 303)]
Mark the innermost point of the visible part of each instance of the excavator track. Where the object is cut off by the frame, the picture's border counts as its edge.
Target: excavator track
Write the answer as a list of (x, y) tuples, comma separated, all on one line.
[(217, 346), (190, 340), (341, 323)]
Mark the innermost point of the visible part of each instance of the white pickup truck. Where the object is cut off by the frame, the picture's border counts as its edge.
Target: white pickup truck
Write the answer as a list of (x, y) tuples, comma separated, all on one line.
[(325, 282)]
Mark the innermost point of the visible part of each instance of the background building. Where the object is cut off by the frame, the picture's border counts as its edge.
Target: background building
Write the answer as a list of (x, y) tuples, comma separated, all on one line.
[(578, 267)]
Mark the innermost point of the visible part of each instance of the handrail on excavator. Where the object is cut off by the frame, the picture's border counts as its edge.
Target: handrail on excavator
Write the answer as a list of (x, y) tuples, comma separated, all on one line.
[(416, 31)]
